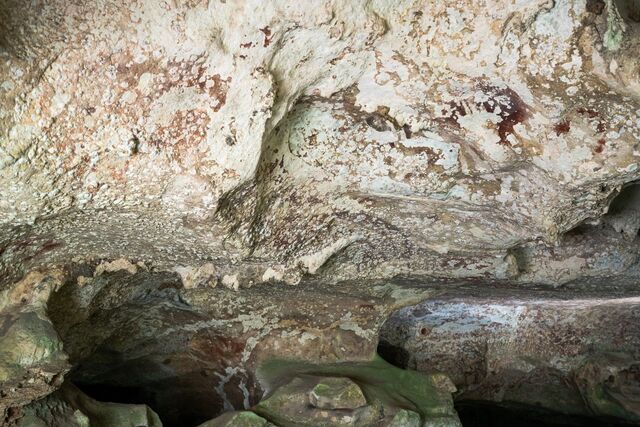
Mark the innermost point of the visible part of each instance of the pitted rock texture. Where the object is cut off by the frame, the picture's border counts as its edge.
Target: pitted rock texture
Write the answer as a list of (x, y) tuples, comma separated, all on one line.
[(168, 170), (273, 139)]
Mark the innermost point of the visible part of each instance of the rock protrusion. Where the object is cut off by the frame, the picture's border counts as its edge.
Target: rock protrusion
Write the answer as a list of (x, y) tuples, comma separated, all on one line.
[(337, 393), (237, 419)]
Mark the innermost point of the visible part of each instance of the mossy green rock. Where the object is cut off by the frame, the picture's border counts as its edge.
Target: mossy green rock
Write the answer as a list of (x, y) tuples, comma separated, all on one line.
[(405, 418), (237, 419), (337, 393), (70, 407), (289, 406), (428, 394), (28, 341)]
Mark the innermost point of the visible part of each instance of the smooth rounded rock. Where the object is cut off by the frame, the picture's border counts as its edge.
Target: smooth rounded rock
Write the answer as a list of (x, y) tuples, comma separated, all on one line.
[(337, 393)]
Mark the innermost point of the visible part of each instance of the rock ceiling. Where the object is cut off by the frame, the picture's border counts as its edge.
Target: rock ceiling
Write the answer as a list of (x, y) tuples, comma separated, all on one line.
[(219, 165)]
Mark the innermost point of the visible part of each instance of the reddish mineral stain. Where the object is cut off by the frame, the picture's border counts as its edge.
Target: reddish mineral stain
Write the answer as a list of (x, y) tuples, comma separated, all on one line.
[(562, 127), (512, 111), (267, 36), (588, 112), (507, 103)]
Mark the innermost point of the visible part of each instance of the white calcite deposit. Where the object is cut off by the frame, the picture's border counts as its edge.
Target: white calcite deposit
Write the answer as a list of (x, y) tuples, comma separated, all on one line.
[(433, 138)]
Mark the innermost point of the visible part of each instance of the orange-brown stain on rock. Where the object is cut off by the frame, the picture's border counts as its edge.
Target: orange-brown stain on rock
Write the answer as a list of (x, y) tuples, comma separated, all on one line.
[(513, 112)]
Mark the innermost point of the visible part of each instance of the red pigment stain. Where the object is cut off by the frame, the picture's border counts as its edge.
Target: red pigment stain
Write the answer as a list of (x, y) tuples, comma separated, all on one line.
[(267, 36), (592, 114), (588, 112), (562, 127), (600, 147), (512, 110)]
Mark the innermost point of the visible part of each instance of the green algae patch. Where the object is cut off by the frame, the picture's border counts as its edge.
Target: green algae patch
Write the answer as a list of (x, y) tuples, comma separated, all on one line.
[(429, 395), (613, 36), (237, 419), (405, 418), (337, 393)]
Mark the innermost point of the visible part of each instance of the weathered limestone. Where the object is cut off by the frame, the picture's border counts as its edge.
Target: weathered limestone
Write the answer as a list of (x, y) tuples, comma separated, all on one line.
[(573, 356), (334, 401), (291, 405), (413, 148), (192, 189), (388, 391), (32, 360), (191, 353)]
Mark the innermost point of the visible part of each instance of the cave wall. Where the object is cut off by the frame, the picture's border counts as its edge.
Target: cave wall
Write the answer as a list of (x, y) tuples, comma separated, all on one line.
[(189, 188), (420, 138)]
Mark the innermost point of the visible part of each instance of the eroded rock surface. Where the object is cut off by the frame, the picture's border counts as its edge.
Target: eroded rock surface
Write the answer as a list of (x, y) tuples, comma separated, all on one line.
[(422, 139), (378, 394), (190, 189), (575, 356), (68, 406), (32, 360), (137, 335)]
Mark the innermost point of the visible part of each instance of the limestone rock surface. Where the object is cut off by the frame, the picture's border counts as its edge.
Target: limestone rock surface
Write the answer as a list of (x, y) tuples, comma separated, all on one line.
[(237, 419), (576, 357), (192, 189), (355, 139)]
